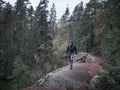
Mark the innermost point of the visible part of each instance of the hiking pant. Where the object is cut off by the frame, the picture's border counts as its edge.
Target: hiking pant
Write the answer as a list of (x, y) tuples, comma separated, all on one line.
[(71, 60)]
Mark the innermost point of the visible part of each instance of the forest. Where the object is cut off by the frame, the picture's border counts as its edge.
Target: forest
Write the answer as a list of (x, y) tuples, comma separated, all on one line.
[(33, 42)]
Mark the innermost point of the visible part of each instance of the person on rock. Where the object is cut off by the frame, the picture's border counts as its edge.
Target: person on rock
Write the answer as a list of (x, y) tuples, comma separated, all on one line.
[(71, 50)]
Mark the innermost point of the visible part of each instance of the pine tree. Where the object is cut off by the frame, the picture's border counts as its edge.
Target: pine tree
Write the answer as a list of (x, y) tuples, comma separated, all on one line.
[(53, 17), (65, 16), (42, 37), (111, 50), (6, 44), (41, 24), (110, 47), (21, 23), (29, 48), (30, 19), (1, 3), (78, 11), (76, 26), (89, 25), (20, 41)]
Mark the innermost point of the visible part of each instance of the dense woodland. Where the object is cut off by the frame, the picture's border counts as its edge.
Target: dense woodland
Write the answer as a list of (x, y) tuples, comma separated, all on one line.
[(33, 42)]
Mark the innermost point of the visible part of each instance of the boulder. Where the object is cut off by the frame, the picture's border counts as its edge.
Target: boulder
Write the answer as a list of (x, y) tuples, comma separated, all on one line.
[(65, 79), (78, 78)]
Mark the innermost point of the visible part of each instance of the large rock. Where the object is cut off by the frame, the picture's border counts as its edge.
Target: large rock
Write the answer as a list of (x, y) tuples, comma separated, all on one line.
[(65, 79), (78, 78), (35, 87)]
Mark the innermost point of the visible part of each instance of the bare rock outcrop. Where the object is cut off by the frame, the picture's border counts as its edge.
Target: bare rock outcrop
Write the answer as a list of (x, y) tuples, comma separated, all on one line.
[(78, 78), (65, 79)]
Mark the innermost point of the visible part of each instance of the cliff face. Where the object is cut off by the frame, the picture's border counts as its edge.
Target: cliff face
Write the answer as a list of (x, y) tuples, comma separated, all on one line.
[(65, 79)]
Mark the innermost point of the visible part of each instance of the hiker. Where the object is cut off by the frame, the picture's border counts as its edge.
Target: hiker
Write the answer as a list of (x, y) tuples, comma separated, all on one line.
[(71, 49)]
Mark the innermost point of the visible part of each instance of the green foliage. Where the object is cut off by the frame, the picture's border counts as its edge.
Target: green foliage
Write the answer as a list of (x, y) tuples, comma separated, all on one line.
[(65, 17), (109, 81), (111, 47), (75, 27), (111, 40), (21, 74), (59, 47), (105, 82), (52, 17), (21, 32), (18, 67)]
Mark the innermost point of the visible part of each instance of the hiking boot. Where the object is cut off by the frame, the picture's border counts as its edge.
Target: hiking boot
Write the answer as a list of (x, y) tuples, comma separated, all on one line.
[(70, 68)]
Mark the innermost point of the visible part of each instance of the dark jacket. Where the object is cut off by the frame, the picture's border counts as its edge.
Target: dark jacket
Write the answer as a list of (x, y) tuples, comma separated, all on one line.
[(71, 49)]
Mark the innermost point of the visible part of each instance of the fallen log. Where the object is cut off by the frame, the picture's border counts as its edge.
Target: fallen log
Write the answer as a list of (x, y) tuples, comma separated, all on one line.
[(84, 57)]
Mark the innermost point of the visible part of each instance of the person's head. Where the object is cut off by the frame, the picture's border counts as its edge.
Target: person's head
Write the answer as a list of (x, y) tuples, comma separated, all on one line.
[(71, 42)]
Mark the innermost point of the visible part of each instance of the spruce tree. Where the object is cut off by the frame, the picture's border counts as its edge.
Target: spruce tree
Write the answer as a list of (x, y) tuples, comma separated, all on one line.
[(21, 25), (41, 25), (6, 44), (30, 21), (110, 47), (65, 17), (78, 11), (76, 27), (42, 37), (111, 50), (53, 17), (89, 25)]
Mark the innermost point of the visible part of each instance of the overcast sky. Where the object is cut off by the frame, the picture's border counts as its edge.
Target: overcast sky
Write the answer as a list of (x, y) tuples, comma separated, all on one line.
[(59, 4)]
